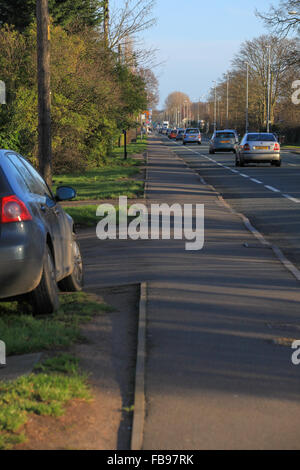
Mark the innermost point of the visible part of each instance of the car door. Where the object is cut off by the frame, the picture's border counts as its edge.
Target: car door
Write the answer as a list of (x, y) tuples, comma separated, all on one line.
[(46, 205)]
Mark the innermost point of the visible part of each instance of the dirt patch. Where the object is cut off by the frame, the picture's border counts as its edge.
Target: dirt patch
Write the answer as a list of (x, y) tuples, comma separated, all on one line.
[(108, 357)]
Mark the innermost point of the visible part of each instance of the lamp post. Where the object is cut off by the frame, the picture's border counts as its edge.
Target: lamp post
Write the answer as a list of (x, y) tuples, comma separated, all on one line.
[(227, 101), (215, 107), (269, 88), (247, 98), (185, 112)]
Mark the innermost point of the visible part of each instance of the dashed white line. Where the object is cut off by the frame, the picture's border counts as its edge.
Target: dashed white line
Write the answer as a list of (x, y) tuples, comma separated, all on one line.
[(275, 190), (287, 196), (254, 180)]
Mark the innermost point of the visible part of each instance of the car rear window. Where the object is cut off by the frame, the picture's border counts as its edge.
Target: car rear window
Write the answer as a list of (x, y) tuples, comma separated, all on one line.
[(225, 135), (192, 131), (261, 138), (4, 187)]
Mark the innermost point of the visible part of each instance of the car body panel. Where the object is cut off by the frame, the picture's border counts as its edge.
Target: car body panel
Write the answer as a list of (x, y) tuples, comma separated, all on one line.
[(224, 141), (173, 134), (180, 133), (265, 149), (191, 135), (23, 244)]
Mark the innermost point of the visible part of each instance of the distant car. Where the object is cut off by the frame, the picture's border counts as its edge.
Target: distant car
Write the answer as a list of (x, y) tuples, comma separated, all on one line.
[(191, 136), (180, 134), (173, 134), (224, 141), (258, 147), (38, 247), (164, 130)]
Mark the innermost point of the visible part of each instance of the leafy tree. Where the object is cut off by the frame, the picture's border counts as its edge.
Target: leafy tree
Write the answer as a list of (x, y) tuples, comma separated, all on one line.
[(21, 13), (93, 96)]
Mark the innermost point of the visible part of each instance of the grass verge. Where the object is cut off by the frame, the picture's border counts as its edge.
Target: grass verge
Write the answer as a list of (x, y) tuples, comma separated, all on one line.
[(24, 333), (85, 216), (117, 177), (54, 382)]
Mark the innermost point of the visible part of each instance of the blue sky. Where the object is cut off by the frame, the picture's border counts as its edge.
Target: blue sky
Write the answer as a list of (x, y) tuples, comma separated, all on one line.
[(197, 40)]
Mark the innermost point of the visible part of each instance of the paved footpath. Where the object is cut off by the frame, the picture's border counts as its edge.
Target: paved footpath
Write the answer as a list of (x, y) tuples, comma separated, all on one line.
[(215, 378)]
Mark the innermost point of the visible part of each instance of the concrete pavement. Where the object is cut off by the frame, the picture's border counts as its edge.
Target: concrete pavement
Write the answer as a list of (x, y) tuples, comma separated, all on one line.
[(215, 378)]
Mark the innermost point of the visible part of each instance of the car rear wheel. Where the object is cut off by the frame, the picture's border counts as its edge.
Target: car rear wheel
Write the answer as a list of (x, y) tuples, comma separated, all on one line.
[(74, 282), (44, 298)]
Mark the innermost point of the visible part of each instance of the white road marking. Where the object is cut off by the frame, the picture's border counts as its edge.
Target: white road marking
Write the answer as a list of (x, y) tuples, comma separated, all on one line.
[(254, 180), (272, 189), (287, 196)]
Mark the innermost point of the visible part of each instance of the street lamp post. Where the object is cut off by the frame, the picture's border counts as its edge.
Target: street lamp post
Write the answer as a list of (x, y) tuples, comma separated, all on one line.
[(215, 107), (227, 101), (269, 88), (247, 98)]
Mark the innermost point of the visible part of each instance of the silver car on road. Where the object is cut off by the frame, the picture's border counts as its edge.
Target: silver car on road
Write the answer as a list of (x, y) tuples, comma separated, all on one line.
[(258, 147), (226, 140)]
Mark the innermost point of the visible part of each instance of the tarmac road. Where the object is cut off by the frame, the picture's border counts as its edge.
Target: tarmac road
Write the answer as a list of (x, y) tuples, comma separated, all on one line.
[(268, 196), (217, 375)]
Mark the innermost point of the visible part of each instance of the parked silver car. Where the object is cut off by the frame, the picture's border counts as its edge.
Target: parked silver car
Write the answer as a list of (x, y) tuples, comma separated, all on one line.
[(191, 135), (258, 147), (226, 140)]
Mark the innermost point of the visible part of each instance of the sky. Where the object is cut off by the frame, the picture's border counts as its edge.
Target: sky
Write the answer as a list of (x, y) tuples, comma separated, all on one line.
[(197, 40)]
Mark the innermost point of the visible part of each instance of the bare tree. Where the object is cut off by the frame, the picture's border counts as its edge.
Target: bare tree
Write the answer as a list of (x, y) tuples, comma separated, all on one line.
[(176, 99), (151, 86), (284, 18), (256, 53), (135, 16)]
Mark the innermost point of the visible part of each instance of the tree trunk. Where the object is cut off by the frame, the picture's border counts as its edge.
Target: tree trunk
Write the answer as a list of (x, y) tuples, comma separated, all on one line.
[(43, 66), (106, 21)]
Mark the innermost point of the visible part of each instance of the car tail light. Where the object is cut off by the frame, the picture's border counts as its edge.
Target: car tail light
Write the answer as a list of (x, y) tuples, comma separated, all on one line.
[(13, 210), (247, 147), (277, 146)]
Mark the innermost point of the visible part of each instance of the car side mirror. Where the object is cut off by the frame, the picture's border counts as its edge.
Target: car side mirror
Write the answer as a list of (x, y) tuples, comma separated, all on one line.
[(65, 193)]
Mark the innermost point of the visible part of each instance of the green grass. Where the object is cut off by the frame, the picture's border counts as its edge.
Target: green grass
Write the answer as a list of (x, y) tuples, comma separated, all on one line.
[(132, 148), (295, 146), (54, 383), (24, 333), (117, 177), (85, 216)]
